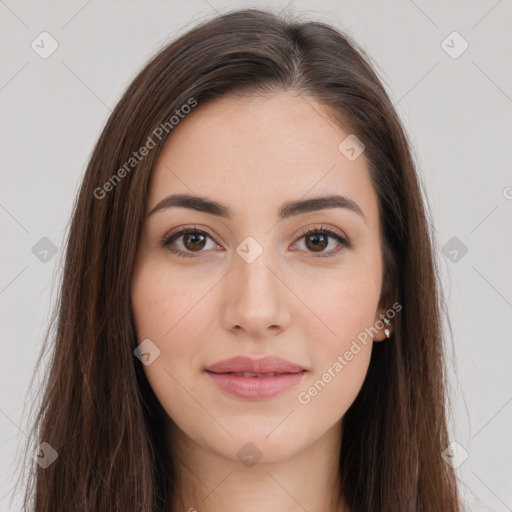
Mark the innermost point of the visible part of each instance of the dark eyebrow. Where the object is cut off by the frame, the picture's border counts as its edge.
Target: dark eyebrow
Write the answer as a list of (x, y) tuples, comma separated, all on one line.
[(289, 209)]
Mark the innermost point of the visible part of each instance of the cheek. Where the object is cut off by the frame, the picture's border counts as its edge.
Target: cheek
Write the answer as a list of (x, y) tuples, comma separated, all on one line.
[(341, 352), (346, 306), (166, 306), (167, 310), (341, 304)]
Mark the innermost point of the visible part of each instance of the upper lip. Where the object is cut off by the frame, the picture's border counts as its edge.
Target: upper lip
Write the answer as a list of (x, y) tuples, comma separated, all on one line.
[(268, 364)]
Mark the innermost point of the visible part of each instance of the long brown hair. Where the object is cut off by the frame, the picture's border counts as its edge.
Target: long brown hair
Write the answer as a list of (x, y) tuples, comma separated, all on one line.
[(98, 411)]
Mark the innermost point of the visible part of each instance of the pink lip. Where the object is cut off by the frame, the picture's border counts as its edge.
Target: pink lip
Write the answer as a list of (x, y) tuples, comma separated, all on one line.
[(287, 375), (268, 364)]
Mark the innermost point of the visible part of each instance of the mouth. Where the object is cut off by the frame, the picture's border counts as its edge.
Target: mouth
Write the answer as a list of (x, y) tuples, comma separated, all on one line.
[(255, 386), (250, 374)]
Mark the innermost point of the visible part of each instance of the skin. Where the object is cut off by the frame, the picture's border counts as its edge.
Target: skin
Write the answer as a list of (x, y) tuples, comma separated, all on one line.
[(254, 154)]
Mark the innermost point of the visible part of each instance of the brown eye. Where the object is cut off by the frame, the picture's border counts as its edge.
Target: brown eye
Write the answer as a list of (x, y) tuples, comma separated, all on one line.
[(194, 241), (191, 240), (318, 242), (186, 242)]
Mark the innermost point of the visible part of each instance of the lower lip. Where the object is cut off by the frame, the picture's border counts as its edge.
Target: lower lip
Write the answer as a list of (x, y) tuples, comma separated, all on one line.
[(255, 387)]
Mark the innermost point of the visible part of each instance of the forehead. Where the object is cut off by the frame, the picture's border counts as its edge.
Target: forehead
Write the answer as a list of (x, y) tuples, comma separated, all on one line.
[(255, 153)]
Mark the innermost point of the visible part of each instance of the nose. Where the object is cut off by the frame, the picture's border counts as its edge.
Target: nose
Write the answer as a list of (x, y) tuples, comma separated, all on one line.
[(256, 300)]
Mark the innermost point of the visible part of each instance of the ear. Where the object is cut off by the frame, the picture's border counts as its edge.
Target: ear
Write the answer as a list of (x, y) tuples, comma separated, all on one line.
[(381, 322)]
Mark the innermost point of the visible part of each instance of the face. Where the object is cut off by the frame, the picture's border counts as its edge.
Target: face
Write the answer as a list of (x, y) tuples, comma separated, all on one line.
[(209, 287)]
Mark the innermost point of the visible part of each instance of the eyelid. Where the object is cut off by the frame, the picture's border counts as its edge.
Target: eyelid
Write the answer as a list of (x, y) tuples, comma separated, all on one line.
[(182, 230), (322, 227), (187, 228), (331, 232)]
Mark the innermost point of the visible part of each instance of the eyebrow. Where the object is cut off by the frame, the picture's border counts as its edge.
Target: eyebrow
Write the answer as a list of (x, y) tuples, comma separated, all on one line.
[(288, 209)]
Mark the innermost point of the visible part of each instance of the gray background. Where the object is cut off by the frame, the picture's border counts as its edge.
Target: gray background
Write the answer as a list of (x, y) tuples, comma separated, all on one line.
[(458, 114)]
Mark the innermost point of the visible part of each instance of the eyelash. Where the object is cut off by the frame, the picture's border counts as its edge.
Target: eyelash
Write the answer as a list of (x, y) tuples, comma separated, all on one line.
[(322, 230)]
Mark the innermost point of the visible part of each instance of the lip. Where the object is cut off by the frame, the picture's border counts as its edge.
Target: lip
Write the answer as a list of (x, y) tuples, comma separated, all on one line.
[(268, 364), (287, 375)]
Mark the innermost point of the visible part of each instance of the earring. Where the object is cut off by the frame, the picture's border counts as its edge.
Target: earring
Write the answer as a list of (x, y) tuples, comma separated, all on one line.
[(387, 331)]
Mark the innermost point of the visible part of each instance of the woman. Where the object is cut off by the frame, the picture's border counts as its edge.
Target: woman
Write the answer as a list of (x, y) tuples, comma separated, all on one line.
[(250, 309)]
